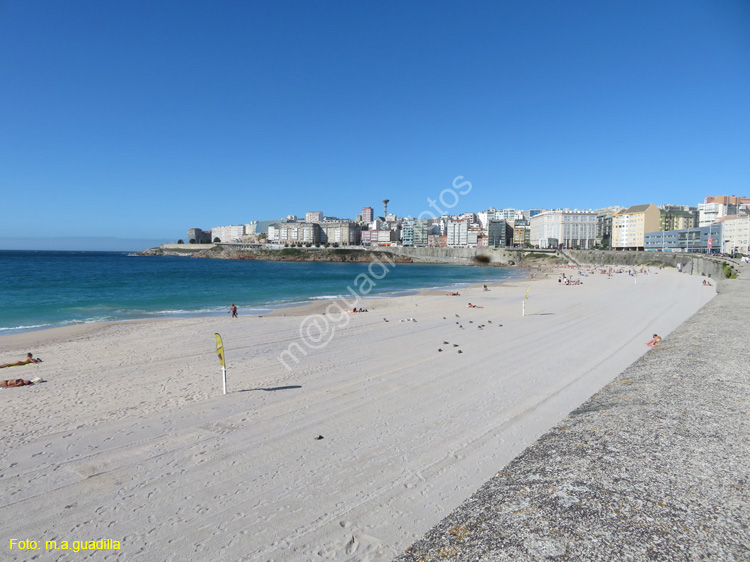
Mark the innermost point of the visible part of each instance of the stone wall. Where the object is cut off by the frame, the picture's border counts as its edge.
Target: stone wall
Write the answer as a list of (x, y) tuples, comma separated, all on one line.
[(694, 264), (453, 255)]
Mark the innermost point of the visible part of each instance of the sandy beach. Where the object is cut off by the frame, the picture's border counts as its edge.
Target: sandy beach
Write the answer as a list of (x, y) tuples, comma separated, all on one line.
[(387, 421)]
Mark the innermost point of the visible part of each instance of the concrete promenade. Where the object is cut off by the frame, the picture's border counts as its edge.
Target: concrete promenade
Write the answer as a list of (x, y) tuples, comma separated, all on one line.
[(655, 466)]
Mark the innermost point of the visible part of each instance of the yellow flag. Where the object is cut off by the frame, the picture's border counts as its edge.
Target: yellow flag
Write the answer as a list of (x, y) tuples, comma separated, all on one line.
[(220, 350), (527, 293)]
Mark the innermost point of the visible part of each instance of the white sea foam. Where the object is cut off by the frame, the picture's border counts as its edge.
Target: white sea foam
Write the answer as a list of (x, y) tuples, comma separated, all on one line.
[(24, 328)]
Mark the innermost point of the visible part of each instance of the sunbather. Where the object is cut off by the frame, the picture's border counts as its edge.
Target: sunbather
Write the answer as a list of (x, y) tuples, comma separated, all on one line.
[(27, 361), (12, 383)]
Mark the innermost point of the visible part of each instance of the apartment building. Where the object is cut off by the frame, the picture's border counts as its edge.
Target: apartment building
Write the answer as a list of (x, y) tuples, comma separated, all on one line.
[(563, 227), (678, 217), (314, 216), (344, 233), (521, 232), (730, 200), (499, 233), (735, 234), (296, 233), (474, 235), (415, 232), (604, 225), (382, 237), (710, 213), (457, 232), (228, 234), (629, 226)]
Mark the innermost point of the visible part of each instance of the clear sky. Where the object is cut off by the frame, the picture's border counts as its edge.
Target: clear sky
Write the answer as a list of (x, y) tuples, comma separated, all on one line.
[(141, 119)]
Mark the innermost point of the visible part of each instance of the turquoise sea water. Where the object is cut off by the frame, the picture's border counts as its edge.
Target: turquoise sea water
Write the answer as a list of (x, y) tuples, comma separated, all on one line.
[(47, 289)]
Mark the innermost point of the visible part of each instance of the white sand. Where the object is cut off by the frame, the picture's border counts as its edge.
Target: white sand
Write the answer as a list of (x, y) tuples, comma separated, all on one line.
[(132, 440)]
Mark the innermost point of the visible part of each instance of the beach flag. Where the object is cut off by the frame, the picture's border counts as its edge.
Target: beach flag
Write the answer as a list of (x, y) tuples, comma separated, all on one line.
[(220, 350), (523, 309), (222, 360)]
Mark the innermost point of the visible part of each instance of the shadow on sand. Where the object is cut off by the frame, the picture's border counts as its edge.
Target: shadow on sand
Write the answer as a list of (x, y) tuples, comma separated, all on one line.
[(271, 389)]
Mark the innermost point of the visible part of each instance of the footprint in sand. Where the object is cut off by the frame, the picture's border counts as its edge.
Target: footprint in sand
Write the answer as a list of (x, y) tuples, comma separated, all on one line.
[(352, 545)]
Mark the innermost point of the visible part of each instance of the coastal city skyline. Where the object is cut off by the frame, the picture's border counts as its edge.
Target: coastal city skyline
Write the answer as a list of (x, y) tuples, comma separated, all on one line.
[(124, 123), (718, 224)]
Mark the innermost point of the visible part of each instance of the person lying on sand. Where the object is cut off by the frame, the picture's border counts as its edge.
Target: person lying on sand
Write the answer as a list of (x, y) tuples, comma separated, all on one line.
[(473, 306), (12, 383), (655, 340), (29, 359), (456, 294)]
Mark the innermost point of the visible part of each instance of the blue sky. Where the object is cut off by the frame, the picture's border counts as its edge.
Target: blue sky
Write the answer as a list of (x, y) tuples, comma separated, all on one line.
[(139, 120)]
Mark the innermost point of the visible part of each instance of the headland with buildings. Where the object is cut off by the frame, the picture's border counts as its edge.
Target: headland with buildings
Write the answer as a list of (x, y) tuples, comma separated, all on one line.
[(720, 224)]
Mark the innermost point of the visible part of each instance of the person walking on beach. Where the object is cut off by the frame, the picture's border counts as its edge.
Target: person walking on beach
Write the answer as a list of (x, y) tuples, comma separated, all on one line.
[(233, 310), (27, 361)]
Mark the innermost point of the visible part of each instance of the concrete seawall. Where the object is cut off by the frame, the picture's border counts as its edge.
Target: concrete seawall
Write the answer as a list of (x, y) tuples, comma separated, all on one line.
[(691, 263), (452, 255), (655, 466)]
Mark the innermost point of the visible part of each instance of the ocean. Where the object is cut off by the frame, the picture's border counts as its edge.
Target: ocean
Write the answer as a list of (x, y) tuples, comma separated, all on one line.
[(43, 289)]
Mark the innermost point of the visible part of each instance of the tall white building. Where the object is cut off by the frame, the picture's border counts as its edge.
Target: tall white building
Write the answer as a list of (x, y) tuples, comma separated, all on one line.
[(563, 227), (314, 216), (735, 234), (273, 233), (457, 232), (484, 217), (709, 213), (227, 234)]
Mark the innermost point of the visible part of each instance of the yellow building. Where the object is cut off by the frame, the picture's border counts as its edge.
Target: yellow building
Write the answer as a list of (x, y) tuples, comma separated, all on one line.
[(630, 225)]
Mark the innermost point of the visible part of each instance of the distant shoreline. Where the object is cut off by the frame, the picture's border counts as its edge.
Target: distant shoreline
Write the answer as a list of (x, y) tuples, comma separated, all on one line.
[(314, 305), (497, 257), (304, 302), (283, 305)]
